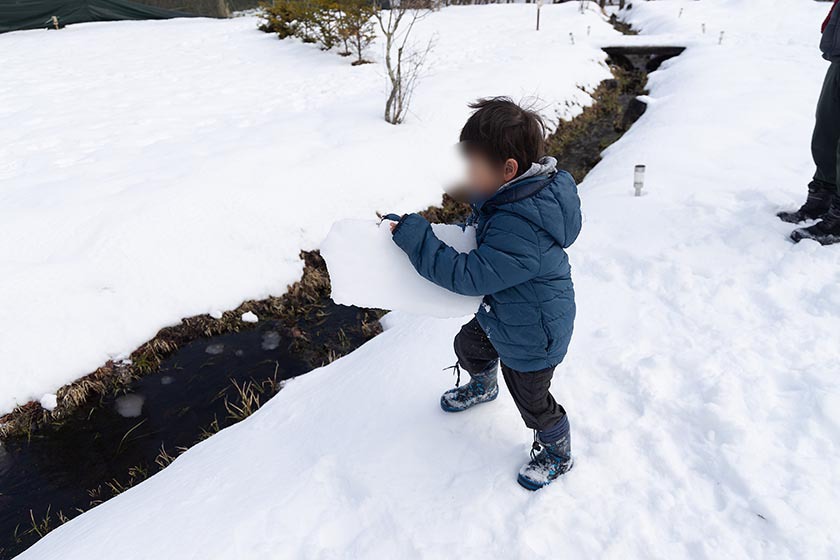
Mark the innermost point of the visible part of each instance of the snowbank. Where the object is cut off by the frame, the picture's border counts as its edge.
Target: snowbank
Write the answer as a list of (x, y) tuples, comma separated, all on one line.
[(151, 171), (701, 383), (368, 269)]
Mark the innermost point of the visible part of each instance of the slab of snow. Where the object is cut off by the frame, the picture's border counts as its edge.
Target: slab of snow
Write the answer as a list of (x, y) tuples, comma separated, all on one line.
[(250, 317), (701, 382), (151, 171), (368, 269), (49, 401)]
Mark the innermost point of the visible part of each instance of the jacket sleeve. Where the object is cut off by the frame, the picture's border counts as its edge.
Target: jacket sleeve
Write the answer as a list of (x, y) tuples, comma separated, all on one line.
[(509, 255)]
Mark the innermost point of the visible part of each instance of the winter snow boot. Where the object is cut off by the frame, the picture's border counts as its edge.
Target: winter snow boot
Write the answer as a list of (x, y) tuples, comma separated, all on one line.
[(483, 387), (548, 460), (817, 204), (826, 231)]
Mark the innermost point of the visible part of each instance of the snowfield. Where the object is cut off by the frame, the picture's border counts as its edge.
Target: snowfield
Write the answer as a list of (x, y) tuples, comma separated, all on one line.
[(701, 383)]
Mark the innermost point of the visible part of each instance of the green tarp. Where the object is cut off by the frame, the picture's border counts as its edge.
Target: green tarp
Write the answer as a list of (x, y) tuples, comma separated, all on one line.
[(37, 14)]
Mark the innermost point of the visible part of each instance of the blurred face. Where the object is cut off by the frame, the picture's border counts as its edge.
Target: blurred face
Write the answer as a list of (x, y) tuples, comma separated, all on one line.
[(484, 176)]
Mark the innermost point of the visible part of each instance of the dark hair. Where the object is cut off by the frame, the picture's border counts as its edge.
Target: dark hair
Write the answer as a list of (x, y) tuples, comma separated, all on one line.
[(500, 130)]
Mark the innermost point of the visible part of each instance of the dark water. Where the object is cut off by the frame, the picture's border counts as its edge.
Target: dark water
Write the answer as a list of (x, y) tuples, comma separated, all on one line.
[(69, 467)]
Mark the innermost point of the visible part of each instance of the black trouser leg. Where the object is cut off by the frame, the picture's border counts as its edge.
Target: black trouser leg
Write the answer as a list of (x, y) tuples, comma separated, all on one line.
[(474, 350), (530, 392), (825, 142)]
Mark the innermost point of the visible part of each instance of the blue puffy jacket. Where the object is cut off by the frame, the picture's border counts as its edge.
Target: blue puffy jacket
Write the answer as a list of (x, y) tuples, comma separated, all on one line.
[(520, 267)]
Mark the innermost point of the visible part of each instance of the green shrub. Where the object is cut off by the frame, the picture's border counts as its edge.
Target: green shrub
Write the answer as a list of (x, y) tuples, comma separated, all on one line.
[(327, 22), (325, 16), (356, 27), (278, 17)]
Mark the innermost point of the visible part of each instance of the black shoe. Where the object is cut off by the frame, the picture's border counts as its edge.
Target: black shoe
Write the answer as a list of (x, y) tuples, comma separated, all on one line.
[(826, 231), (818, 203)]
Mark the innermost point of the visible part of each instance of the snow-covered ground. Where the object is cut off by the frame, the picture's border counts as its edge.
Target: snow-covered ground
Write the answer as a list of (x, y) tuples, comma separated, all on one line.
[(701, 383), (151, 171)]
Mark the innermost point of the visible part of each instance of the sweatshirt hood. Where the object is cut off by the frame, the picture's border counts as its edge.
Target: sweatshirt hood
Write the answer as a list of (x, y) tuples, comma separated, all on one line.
[(545, 197)]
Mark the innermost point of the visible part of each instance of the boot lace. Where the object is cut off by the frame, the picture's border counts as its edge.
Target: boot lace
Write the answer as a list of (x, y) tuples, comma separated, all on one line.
[(536, 447), (832, 218), (456, 371)]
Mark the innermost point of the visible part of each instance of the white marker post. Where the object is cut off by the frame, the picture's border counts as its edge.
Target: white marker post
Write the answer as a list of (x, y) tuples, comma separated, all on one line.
[(539, 5), (639, 179)]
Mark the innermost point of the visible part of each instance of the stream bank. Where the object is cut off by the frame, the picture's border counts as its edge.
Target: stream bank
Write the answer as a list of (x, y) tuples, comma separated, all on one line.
[(186, 384)]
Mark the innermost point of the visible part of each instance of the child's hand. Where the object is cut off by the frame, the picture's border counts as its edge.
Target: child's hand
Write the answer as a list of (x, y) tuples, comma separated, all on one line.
[(394, 219)]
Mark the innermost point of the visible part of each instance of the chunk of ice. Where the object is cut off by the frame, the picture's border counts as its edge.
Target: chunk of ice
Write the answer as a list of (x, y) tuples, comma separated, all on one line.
[(130, 406), (49, 402), (249, 317), (215, 349), (270, 340)]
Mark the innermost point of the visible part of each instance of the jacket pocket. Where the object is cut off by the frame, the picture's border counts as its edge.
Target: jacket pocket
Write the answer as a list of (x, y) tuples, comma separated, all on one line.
[(549, 340)]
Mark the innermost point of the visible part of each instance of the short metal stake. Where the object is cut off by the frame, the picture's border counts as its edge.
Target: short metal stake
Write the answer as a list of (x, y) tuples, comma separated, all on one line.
[(639, 179)]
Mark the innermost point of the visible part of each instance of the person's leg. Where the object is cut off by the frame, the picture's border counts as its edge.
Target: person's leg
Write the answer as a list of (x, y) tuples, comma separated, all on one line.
[(477, 357), (552, 455), (530, 392), (827, 230), (827, 130), (474, 351), (824, 143)]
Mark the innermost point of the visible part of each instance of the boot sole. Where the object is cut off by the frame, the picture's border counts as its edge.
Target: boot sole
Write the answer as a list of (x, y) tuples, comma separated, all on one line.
[(790, 220), (798, 236), (796, 220), (446, 408), (529, 484)]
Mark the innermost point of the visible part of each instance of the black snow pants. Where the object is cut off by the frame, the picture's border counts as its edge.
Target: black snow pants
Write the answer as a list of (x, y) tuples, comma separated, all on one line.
[(529, 389), (825, 142)]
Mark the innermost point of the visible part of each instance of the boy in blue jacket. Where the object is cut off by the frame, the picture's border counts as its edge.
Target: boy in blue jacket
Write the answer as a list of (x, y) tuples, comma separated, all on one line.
[(526, 213)]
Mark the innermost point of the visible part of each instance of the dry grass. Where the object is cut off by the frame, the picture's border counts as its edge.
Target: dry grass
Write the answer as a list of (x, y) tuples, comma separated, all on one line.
[(250, 396), (40, 526), (450, 211)]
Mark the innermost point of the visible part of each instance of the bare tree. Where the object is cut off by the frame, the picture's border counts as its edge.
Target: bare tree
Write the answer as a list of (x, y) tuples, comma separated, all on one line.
[(403, 63)]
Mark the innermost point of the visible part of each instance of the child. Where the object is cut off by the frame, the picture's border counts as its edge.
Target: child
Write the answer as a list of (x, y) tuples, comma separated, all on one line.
[(526, 212)]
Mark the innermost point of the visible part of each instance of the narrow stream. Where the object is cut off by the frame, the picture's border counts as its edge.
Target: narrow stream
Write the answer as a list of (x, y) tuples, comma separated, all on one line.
[(205, 386), (211, 383)]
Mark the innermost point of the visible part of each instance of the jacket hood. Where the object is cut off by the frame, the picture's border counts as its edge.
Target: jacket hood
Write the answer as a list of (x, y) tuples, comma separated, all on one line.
[(545, 197)]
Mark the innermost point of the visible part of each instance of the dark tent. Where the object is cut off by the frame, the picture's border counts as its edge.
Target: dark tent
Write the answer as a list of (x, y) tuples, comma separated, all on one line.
[(38, 14)]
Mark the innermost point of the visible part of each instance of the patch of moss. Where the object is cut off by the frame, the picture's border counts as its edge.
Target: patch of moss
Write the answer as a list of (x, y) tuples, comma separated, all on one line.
[(450, 211)]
